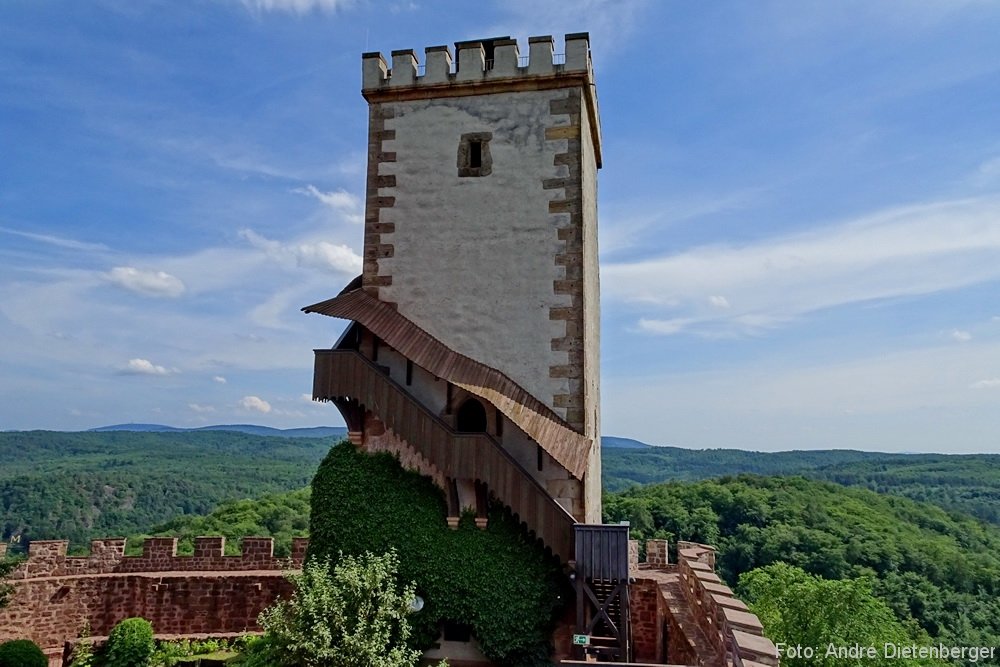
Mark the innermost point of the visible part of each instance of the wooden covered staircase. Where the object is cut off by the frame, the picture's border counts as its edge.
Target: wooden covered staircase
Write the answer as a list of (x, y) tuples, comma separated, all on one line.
[(356, 385)]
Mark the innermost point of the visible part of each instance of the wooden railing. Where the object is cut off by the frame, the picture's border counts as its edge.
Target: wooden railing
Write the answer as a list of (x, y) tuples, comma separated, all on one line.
[(341, 374)]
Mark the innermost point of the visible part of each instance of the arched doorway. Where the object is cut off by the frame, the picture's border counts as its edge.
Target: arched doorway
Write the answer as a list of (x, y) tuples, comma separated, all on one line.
[(471, 417)]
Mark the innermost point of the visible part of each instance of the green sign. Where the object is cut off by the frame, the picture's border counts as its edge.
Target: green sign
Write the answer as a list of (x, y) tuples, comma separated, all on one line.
[(581, 640)]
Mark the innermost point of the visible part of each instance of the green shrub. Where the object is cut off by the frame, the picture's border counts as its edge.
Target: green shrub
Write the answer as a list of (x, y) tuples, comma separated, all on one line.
[(130, 644), (22, 653), (354, 613), (499, 581)]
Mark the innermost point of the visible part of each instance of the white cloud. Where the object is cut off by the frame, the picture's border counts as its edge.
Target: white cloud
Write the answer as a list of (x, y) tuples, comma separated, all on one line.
[(219, 379), (308, 254), (201, 409), (719, 301), (255, 403), (295, 6), (986, 384), (341, 201), (148, 283), (961, 336), (899, 252), (145, 367), (664, 327)]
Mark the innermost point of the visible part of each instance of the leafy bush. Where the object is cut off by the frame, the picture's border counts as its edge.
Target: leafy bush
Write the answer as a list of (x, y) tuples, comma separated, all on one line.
[(499, 581), (130, 644), (22, 653), (354, 613)]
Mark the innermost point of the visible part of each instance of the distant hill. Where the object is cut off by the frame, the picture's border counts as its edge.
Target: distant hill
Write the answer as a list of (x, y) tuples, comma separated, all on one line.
[(252, 429), (967, 483), (612, 442), (100, 484)]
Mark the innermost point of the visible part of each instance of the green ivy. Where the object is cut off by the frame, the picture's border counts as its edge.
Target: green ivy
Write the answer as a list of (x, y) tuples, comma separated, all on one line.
[(500, 581)]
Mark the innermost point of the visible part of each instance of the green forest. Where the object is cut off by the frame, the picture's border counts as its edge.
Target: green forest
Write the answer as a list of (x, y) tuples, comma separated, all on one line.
[(967, 483), (940, 569), (79, 486)]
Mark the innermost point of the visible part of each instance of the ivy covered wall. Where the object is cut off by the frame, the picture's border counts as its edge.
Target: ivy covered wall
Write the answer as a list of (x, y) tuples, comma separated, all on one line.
[(499, 581)]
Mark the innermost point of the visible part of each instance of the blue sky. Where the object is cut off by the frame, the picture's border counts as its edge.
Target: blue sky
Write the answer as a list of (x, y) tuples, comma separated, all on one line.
[(800, 211)]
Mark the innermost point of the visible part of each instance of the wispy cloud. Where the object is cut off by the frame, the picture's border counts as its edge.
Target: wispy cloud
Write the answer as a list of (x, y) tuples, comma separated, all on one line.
[(309, 254), (219, 379), (961, 336), (341, 201), (899, 252), (201, 409), (145, 367), (991, 383), (300, 7), (58, 241), (146, 282)]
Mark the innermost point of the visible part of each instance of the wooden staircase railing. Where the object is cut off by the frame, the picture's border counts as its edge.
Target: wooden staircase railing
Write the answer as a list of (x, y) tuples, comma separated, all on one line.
[(347, 375)]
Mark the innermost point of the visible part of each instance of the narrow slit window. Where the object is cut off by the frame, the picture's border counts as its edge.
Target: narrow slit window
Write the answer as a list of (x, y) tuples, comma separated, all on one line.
[(409, 372), (474, 157), (540, 453)]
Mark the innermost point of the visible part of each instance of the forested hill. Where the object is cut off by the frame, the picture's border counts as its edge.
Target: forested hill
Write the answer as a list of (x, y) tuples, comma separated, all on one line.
[(942, 570), (964, 483), (84, 485)]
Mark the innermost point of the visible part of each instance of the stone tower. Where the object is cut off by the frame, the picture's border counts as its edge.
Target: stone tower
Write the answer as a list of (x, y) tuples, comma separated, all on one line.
[(480, 294)]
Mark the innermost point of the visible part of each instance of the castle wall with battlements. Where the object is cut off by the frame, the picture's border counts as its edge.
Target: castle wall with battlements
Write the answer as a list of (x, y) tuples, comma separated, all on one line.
[(683, 614), (56, 595)]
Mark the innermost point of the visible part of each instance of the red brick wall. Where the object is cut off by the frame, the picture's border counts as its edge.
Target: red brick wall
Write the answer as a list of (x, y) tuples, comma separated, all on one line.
[(208, 592)]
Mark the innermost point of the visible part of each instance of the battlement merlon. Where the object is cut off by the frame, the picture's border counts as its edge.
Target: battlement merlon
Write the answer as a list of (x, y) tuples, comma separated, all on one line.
[(472, 73)]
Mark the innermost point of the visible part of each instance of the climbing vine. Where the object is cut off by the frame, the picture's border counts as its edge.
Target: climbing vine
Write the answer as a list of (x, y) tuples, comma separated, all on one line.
[(499, 581)]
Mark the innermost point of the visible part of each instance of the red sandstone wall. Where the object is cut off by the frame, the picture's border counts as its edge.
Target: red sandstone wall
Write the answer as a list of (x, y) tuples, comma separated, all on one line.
[(706, 624), (646, 618), (208, 592)]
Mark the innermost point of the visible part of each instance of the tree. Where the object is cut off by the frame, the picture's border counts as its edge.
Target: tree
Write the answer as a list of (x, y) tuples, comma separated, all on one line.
[(798, 609), (350, 614), (7, 566)]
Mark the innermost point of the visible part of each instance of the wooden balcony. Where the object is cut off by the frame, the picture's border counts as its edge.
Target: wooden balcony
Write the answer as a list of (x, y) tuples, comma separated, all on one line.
[(341, 375)]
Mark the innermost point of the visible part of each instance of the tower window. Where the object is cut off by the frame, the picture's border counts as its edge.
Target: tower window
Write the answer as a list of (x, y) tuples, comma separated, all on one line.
[(474, 154)]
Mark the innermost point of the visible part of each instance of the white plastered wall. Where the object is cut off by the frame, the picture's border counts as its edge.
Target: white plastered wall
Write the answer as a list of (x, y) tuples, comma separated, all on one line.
[(474, 256)]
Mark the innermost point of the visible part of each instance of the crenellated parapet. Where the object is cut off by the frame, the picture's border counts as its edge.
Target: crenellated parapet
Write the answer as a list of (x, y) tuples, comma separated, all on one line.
[(476, 62), (708, 624), (48, 558), (205, 594)]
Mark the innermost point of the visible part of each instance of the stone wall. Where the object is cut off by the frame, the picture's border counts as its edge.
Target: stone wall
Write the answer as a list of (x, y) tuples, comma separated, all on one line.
[(206, 593), (683, 614)]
